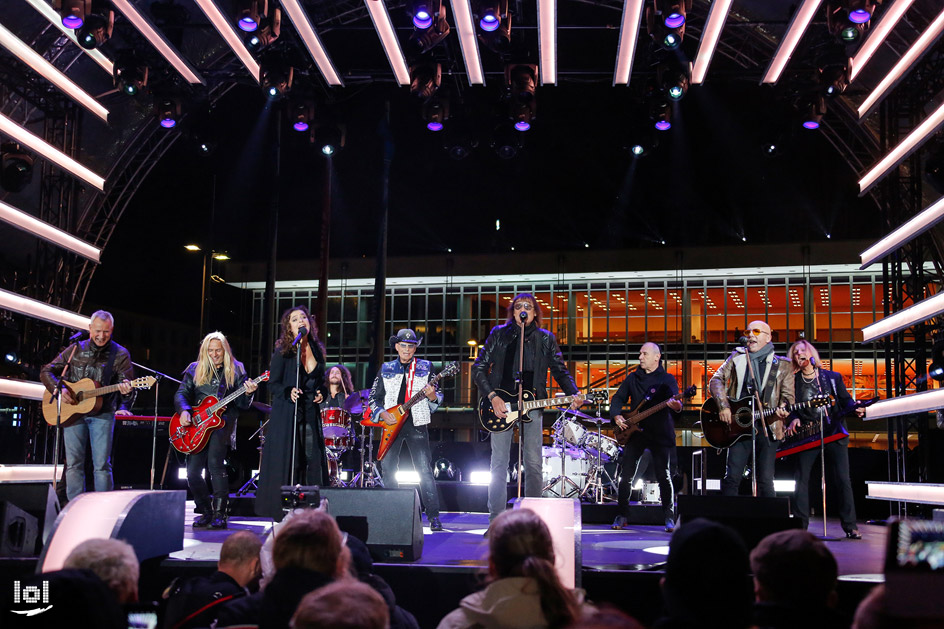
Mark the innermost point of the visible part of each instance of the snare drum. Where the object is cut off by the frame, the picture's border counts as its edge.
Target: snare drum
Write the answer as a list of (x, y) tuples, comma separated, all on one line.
[(606, 447), (570, 431), (575, 470), (335, 422)]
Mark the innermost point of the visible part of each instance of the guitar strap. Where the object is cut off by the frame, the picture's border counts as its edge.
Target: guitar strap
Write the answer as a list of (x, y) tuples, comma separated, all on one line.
[(109, 370)]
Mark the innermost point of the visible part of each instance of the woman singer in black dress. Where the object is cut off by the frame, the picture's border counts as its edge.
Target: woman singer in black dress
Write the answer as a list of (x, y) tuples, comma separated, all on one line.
[(310, 461)]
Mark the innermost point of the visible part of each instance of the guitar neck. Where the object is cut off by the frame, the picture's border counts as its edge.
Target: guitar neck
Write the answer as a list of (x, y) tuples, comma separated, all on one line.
[(232, 396), (419, 395), (554, 401), (638, 417), (111, 388), (767, 412)]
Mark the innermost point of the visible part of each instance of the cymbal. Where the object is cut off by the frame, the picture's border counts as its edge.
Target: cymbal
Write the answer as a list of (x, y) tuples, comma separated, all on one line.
[(356, 402), (584, 417), (262, 407)]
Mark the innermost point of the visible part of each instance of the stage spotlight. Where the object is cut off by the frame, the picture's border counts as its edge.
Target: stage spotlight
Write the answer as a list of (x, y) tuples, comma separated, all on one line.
[(848, 19), (329, 139), (495, 25), (130, 75), (275, 77), (436, 111), (425, 38), (73, 12), (422, 16), (506, 141), (443, 469), (489, 15), (522, 80), (458, 139), (250, 14), (425, 79), (167, 110), (661, 114), (665, 21), (674, 20), (936, 369), (834, 79), (270, 27), (674, 79), (301, 114), (96, 30), (813, 112), (17, 167)]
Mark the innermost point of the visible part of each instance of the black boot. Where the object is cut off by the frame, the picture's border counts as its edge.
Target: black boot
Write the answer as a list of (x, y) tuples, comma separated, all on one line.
[(219, 513), (206, 516)]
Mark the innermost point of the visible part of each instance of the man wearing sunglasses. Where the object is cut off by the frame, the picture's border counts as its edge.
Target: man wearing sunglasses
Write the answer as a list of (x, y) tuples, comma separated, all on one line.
[(774, 385)]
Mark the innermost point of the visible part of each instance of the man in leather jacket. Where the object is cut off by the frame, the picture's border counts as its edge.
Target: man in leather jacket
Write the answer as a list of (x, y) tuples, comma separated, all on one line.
[(495, 368), (106, 362)]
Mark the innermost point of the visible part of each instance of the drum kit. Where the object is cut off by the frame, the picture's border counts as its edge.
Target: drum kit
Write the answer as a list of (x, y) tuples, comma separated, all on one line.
[(340, 437), (575, 465)]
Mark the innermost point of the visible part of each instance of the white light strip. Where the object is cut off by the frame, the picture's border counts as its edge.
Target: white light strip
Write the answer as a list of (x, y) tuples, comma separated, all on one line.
[(709, 38), (229, 35), (22, 389), (917, 50), (388, 37), (50, 233), (55, 19), (311, 40), (40, 310), (50, 152), (49, 72), (468, 42), (922, 402), (890, 18), (918, 224), (906, 147), (926, 493), (157, 39), (547, 41), (480, 477), (629, 33), (798, 25), (912, 315), (407, 477)]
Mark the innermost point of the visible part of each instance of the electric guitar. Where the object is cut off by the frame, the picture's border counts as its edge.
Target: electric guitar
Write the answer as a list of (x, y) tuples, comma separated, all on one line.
[(807, 437), (88, 398), (722, 435), (622, 435), (402, 411), (204, 419), (493, 423)]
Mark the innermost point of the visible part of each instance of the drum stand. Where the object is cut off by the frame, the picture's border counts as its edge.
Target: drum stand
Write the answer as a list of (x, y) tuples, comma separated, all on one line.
[(252, 482), (563, 478), (595, 476), (368, 475)]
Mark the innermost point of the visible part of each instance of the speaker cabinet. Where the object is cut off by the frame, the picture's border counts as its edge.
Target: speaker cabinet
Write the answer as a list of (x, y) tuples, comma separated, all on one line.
[(18, 531), (37, 498), (753, 518), (387, 520)]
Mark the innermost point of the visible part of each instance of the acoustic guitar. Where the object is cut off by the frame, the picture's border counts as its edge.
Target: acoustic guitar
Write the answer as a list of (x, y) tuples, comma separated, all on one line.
[(722, 435), (88, 395)]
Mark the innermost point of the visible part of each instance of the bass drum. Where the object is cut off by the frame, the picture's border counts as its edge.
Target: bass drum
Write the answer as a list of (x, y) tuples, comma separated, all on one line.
[(576, 466)]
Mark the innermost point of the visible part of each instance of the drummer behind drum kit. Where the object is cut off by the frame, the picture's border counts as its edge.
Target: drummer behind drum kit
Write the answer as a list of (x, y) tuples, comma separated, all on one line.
[(340, 437), (574, 467)]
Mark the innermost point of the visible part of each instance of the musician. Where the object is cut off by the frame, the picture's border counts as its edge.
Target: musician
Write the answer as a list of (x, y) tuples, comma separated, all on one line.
[(774, 381), (277, 456), (338, 385), (812, 380), (397, 382), (216, 372), (648, 385), (495, 368), (106, 362)]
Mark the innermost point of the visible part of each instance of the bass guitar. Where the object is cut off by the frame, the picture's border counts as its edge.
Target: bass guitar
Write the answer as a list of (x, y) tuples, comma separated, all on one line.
[(722, 435), (622, 435), (204, 419), (402, 411), (88, 398), (493, 423)]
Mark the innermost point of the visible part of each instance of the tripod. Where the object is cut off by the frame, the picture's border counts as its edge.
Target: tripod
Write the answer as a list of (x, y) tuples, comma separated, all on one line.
[(562, 478), (367, 476), (252, 483), (595, 476)]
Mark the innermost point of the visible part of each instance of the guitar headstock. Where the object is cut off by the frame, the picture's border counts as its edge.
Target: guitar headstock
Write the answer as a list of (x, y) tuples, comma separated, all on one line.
[(690, 391), (264, 377), (144, 382), (820, 400), (450, 370), (597, 397)]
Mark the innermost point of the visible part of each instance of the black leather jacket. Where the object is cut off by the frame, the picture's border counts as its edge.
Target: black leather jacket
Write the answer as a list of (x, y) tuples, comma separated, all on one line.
[(488, 367), (189, 394), (89, 362)]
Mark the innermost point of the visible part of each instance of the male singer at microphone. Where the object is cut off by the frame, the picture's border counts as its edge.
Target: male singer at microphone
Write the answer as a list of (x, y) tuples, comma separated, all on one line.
[(774, 384), (495, 368)]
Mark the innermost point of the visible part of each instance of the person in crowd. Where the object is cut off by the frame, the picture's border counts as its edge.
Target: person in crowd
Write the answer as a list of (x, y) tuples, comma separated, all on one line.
[(293, 397), (523, 587), (104, 361), (216, 372), (113, 561), (342, 605)]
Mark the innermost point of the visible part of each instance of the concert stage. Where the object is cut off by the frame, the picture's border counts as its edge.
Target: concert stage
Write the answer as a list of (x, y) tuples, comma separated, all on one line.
[(619, 567)]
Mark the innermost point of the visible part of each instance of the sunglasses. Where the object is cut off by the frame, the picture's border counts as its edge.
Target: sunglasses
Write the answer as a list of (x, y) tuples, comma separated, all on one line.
[(524, 306), (756, 331)]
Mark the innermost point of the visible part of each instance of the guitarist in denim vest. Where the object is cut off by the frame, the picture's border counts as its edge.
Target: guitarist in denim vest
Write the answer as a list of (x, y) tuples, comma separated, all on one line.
[(647, 386), (396, 383)]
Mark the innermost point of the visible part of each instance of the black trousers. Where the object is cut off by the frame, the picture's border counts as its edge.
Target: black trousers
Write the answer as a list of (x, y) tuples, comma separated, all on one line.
[(739, 457), (630, 473), (837, 470), (212, 457), (416, 439)]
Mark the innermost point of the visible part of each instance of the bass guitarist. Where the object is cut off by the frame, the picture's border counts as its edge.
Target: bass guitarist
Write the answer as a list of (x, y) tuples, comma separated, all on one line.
[(774, 384), (648, 385), (396, 383), (106, 362), (216, 372), (495, 368)]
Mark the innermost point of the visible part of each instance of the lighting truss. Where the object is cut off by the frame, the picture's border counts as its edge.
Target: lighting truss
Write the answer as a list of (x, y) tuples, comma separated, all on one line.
[(906, 147), (547, 40), (40, 310), (709, 39), (157, 39), (229, 35), (388, 38), (55, 19), (629, 33), (877, 35), (49, 72), (311, 40), (468, 42), (919, 224), (798, 25), (50, 152), (50, 233)]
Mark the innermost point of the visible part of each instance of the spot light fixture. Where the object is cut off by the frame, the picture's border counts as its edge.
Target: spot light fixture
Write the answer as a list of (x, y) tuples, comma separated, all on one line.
[(131, 75), (436, 29), (665, 21), (95, 30), (250, 14), (275, 77), (329, 138), (17, 167), (812, 113), (73, 12), (167, 109)]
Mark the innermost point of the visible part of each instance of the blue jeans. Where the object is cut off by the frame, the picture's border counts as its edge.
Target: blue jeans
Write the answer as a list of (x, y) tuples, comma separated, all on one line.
[(533, 435), (98, 431)]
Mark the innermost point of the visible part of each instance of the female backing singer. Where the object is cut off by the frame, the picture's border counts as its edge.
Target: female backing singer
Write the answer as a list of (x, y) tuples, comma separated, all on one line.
[(296, 373)]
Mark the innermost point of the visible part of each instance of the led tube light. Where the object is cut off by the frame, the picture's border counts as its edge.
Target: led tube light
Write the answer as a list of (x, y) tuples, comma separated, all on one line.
[(462, 11), (50, 233), (547, 41), (55, 19), (157, 39), (906, 147), (878, 35), (905, 318), (228, 33), (629, 33), (798, 25), (918, 224), (717, 16), (43, 311), (312, 42)]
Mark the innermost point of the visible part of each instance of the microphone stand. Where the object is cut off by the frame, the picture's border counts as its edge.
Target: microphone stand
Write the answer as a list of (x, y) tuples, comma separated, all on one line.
[(58, 394), (754, 392), (298, 375), (520, 379), (822, 446), (157, 389)]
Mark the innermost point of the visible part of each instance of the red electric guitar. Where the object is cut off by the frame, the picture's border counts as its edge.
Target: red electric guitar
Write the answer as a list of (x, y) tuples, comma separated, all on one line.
[(204, 419)]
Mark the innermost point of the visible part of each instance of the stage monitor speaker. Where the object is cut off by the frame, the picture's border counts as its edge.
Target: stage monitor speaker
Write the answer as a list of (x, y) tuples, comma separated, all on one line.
[(387, 520), (37, 498), (753, 518), (18, 531)]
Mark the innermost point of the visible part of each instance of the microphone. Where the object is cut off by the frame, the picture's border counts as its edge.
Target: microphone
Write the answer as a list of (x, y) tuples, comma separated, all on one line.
[(743, 341), (302, 333), (78, 335), (812, 362), (524, 315)]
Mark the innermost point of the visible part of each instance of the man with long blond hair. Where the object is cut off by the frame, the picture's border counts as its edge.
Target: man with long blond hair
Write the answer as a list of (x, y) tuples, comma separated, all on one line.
[(216, 372)]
